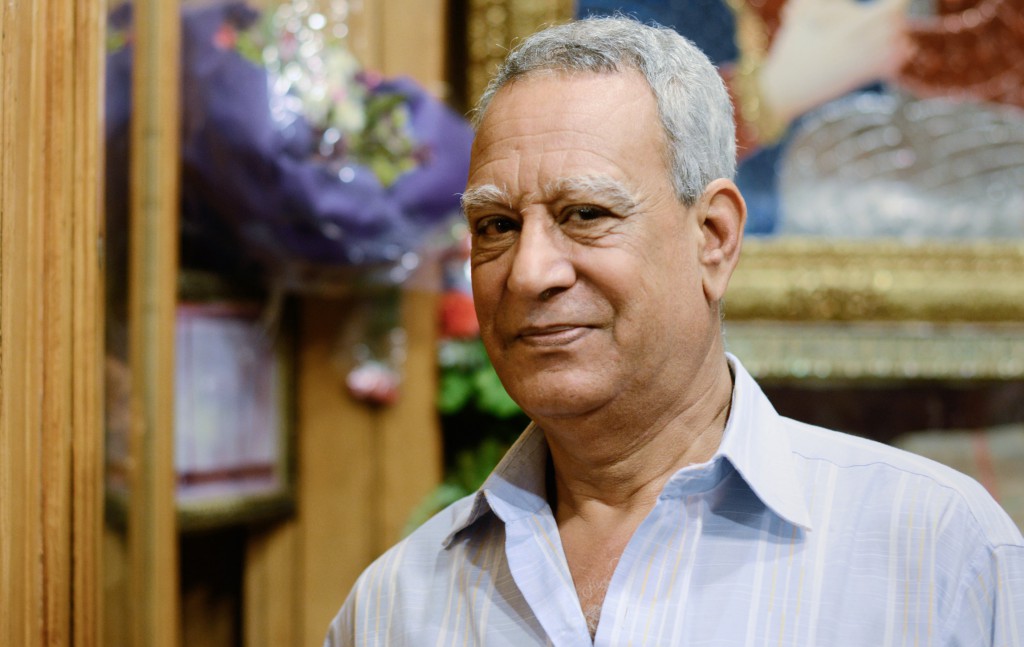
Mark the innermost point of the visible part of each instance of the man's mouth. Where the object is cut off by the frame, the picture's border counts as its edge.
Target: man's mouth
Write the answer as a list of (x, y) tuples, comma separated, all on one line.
[(551, 336)]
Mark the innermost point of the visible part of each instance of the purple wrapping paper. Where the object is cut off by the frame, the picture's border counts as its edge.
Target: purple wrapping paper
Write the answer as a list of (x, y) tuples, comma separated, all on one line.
[(251, 186)]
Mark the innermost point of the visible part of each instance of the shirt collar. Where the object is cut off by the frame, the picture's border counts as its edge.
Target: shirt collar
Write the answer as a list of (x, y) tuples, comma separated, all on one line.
[(753, 442), (757, 446), (516, 488)]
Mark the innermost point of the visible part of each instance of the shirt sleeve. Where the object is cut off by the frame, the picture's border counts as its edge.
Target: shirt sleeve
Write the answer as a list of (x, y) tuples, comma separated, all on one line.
[(341, 633), (990, 607)]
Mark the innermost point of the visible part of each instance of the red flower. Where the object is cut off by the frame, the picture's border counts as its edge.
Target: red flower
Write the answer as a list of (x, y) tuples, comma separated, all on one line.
[(226, 37), (458, 317)]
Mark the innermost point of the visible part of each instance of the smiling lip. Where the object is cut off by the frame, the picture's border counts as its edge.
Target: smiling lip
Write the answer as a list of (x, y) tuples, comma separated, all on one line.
[(559, 335)]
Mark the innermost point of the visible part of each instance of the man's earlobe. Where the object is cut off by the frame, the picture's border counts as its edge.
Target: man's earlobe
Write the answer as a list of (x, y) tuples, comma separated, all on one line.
[(723, 216)]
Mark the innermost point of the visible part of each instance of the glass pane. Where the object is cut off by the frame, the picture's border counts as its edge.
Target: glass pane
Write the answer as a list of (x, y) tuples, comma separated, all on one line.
[(118, 409)]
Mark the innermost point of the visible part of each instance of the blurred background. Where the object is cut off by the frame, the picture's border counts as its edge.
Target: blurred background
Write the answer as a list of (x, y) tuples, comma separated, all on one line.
[(238, 352)]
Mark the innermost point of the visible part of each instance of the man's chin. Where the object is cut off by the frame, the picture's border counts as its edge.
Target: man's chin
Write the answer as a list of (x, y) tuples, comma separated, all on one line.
[(560, 400)]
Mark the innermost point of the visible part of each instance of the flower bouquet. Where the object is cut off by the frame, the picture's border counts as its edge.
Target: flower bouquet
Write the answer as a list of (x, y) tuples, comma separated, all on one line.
[(322, 171)]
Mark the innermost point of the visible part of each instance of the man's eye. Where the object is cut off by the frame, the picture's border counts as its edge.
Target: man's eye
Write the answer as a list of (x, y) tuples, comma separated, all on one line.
[(585, 212), (496, 226)]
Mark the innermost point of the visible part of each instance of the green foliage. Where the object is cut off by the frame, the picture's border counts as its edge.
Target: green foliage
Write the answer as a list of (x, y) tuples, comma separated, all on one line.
[(250, 47), (384, 144), (116, 40), (469, 380), (479, 419), (454, 392), (471, 469), (491, 395)]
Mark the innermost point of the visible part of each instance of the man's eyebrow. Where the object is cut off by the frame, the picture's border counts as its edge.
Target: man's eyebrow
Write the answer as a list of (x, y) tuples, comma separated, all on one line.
[(600, 187), (577, 187), (484, 196)]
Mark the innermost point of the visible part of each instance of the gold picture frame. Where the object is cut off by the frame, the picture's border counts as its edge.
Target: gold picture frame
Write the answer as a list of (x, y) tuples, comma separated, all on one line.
[(234, 390), (264, 360), (878, 309)]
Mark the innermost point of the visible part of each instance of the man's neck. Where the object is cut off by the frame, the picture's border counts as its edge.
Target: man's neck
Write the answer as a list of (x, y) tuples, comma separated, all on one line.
[(620, 462)]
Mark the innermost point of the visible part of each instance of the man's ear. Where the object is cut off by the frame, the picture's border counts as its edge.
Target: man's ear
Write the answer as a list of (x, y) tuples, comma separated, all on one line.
[(723, 215)]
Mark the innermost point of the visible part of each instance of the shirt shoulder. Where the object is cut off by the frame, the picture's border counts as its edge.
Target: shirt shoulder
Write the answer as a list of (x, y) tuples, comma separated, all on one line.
[(876, 472)]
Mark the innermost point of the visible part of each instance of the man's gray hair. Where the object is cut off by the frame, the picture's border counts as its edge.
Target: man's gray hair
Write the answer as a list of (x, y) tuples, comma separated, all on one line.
[(695, 109)]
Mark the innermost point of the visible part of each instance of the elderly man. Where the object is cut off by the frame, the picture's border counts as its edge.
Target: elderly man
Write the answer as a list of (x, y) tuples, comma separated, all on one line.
[(657, 498)]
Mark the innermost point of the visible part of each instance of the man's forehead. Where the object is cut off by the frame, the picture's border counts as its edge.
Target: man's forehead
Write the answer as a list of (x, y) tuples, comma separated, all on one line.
[(542, 80), (579, 136)]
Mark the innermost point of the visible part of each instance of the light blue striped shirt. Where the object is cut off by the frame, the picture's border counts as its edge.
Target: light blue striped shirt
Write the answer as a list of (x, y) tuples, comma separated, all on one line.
[(790, 535)]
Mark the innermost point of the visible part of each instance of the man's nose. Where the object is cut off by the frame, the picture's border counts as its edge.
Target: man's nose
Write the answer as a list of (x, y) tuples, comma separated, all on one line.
[(542, 265)]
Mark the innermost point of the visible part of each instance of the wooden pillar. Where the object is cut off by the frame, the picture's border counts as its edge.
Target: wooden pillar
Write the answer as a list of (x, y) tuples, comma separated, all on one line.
[(152, 296), (50, 322)]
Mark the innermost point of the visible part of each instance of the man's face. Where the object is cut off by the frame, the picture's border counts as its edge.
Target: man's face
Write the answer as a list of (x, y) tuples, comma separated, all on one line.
[(585, 265)]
